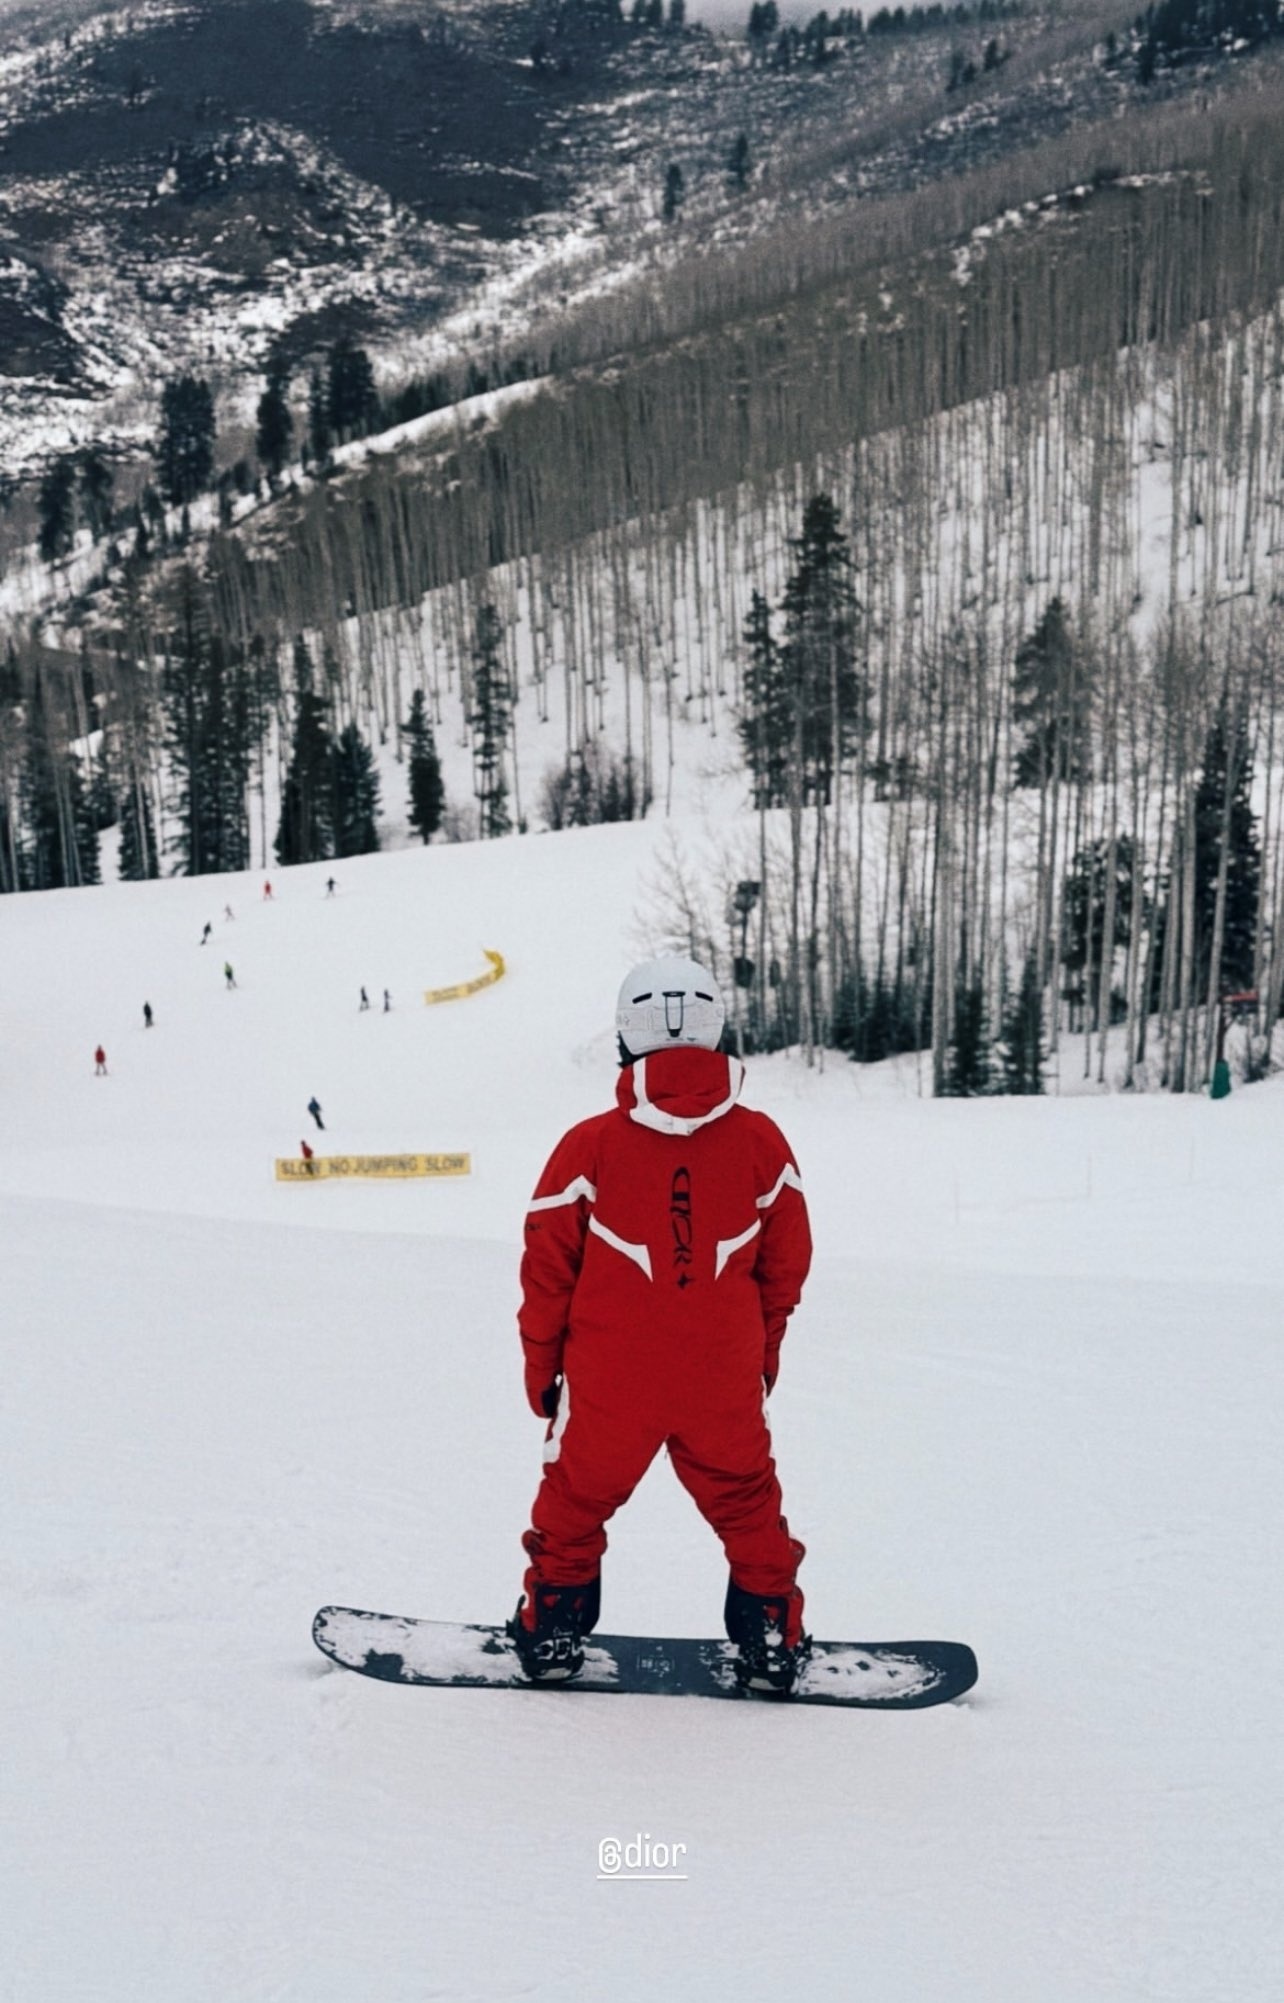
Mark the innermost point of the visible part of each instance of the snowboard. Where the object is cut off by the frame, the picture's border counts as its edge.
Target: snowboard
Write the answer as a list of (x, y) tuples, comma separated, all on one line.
[(876, 1676)]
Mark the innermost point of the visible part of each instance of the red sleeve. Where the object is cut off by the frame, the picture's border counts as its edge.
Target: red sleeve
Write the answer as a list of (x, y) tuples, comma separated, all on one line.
[(556, 1227), (784, 1243)]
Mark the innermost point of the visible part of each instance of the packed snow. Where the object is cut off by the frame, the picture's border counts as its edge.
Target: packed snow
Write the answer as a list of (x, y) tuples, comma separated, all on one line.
[(1031, 1401)]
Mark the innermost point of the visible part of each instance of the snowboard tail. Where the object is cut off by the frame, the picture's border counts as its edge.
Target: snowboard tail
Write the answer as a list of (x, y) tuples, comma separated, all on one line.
[(883, 1676)]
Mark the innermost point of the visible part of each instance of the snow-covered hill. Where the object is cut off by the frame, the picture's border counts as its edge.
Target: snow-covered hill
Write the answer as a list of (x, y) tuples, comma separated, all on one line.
[(1032, 1399)]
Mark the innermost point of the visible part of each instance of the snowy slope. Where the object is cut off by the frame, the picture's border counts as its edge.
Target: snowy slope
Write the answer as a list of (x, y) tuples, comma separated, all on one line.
[(1032, 1400)]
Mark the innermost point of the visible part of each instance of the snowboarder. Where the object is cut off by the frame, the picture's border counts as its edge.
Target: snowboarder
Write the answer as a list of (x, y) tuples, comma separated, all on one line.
[(387, 1001), (666, 1246), (228, 975), (267, 892), (228, 913), (329, 886), (206, 933), (315, 1110), (147, 1015), (307, 1157), (100, 1062), (365, 1000)]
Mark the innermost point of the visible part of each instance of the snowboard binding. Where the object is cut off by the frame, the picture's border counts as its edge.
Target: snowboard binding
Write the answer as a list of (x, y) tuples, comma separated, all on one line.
[(767, 1659), (551, 1648)]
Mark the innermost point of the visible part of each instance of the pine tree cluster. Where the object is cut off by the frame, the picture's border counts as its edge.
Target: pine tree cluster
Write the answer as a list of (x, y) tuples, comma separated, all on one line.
[(330, 800)]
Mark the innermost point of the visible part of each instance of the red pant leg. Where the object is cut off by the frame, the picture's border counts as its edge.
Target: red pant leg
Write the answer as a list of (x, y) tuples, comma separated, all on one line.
[(596, 1454), (723, 1459)]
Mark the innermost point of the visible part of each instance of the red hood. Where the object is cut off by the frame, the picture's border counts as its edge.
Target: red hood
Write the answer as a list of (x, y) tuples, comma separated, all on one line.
[(676, 1091)]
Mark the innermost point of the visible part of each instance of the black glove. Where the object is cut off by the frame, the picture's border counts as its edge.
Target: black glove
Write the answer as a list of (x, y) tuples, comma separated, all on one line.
[(542, 1398)]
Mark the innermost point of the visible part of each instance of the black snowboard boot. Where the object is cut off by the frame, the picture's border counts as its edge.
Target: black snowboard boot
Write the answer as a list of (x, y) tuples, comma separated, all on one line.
[(551, 1649), (768, 1658)]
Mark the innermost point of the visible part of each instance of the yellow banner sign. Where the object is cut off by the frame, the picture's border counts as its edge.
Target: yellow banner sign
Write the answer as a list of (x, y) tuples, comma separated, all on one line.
[(494, 972), (324, 1167)]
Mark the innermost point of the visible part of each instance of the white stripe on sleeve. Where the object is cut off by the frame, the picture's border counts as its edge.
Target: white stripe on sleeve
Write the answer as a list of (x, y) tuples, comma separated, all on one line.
[(571, 1194), (788, 1174)]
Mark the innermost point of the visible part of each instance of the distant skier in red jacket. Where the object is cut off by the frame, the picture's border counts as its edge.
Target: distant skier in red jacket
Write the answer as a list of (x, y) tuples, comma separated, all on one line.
[(666, 1246)]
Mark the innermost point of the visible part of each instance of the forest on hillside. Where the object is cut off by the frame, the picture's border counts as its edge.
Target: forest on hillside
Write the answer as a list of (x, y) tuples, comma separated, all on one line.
[(959, 516)]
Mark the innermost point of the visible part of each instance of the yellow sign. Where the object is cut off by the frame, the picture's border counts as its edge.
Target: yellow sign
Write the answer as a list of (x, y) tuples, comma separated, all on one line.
[(495, 972), (325, 1167)]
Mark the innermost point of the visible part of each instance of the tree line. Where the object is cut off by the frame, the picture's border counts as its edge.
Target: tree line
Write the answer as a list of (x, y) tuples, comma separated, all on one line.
[(176, 738)]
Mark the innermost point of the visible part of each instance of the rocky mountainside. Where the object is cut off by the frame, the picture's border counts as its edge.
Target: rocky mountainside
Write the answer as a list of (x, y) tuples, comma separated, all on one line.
[(202, 184)]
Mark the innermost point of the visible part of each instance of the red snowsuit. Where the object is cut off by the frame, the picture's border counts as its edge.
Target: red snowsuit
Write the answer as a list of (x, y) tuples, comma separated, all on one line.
[(666, 1246)]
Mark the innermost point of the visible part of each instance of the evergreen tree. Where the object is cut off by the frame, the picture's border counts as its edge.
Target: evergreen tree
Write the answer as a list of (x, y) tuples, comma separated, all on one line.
[(489, 721), (427, 792), (320, 436), (139, 859), (825, 690), (149, 515), (1084, 907), (356, 795), (1244, 860), (12, 738), (590, 789), (185, 447), (878, 1018), (274, 425), (618, 795), (97, 487), (1052, 703), (102, 793), (738, 162), (57, 507), (61, 849), (11, 862), (675, 191), (306, 829), (352, 403), (970, 1074), (764, 23), (766, 726), (1021, 1051), (208, 720), (228, 756)]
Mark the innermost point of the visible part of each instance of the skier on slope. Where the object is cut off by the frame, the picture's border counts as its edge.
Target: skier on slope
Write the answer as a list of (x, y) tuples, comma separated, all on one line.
[(666, 1246)]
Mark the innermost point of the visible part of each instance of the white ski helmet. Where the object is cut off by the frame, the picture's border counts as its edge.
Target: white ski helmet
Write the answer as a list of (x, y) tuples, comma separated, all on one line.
[(669, 1001)]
